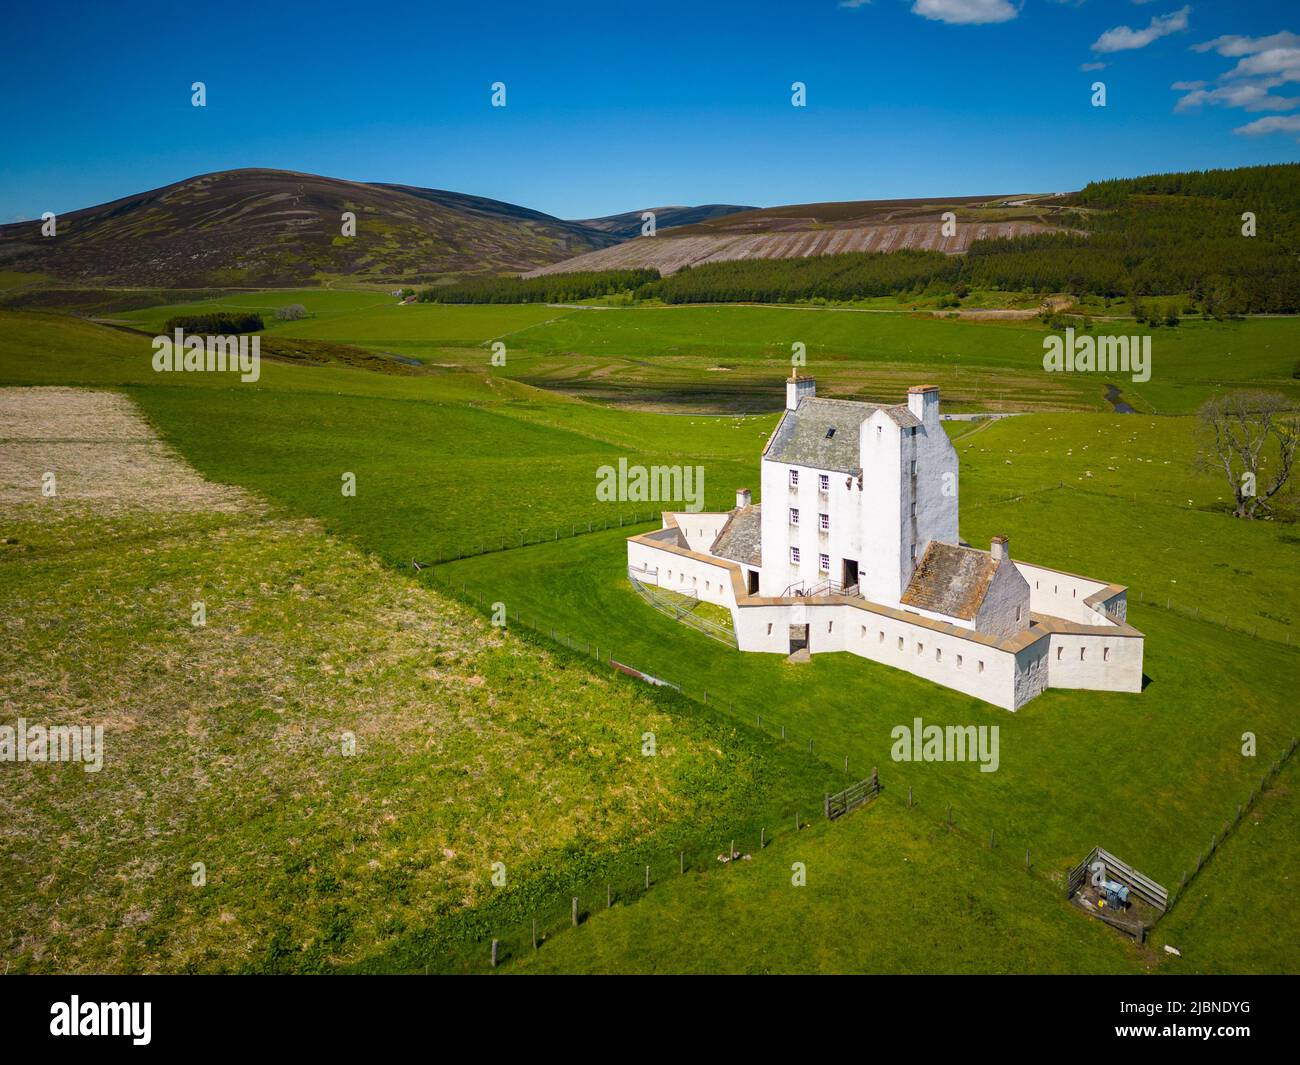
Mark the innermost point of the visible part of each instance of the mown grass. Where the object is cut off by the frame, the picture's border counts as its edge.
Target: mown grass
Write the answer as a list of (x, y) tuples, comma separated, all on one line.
[(887, 891)]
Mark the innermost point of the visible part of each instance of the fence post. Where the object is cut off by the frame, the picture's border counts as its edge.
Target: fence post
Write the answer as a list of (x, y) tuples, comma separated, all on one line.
[(796, 821), (875, 779), (534, 933), (681, 861), (1026, 859), (494, 953), (826, 804), (647, 877), (950, 815), (762, 838), (609, 896), (993, 840), (575, 911)]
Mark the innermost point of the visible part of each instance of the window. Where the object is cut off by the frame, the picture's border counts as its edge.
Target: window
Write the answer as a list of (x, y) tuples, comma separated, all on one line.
[(824, 563), (938, 655), (1058, 653), (823, 482), (981, 667), (830, 625), (959, 661), (914, 553), (830, 432), (882, 636), (824, 520), (914, 508), (900, 643), (1105, 654), (864, 632), (919, 647), (769, 628), (794, 478), (1081, 654), (914, 467), (877, 430), (1017, 615), (794, 556), (794, 515), (1074, 593)]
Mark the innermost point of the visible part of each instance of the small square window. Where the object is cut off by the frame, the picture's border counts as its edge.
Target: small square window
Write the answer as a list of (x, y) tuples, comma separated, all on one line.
[(794, 478), (794, 556), (794, 515), (823, 481), (824, 563), (824, 520)]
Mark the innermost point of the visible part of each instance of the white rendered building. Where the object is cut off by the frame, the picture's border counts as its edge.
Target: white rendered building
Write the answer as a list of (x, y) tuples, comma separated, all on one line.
[(855, 548)]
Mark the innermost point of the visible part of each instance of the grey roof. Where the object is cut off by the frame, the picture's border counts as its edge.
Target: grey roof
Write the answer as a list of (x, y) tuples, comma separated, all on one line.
[(801, 437), (741, 538), (670, 535), (951, 580)]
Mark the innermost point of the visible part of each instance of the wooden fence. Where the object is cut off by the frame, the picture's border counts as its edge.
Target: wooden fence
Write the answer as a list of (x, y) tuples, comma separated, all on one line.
[(853, 796), (1142, 886)]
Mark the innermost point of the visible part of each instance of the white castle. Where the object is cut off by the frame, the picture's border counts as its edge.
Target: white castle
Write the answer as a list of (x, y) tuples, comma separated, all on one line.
[(855, 548)]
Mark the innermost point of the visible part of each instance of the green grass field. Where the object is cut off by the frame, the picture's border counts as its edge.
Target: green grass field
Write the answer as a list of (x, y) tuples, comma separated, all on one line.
[(464, 455)]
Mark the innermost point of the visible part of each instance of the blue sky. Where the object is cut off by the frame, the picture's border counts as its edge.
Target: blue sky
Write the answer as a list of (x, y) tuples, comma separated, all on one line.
[(614, 107)]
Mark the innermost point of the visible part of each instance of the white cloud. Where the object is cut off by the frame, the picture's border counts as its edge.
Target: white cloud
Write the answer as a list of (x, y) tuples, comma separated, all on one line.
[(1246, 95), (1272, 124), (854, 3), (1234, 45), (1263, 64), (1125, 38), (1085, 67), (966, 12)]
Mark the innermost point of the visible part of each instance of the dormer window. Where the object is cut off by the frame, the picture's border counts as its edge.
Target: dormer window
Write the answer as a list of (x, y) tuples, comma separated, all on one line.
[(830, 432)]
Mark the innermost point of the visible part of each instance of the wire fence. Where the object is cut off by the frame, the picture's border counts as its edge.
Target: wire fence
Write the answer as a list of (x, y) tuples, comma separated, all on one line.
[(529, 538)]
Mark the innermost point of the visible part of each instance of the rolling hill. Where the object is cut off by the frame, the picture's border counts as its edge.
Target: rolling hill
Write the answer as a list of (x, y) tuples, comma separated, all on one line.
[(801, 230), (270, 228), (627, 225)]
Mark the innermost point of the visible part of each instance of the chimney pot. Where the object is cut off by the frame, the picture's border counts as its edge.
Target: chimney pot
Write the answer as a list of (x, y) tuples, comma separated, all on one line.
[(1001, 548), (743, 497)]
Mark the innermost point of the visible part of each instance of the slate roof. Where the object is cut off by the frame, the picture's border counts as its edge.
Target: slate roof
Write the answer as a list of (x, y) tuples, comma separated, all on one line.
[(950, 580), (801, 437), (741, 538), (670, 535)]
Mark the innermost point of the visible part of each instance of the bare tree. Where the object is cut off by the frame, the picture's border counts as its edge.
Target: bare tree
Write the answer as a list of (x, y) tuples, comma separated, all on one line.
[(1243, 424)]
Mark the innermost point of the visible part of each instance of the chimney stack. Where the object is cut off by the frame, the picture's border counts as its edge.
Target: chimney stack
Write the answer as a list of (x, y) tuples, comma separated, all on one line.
[(1001, 549), (923, 401), (743, 498), (799, 388)]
